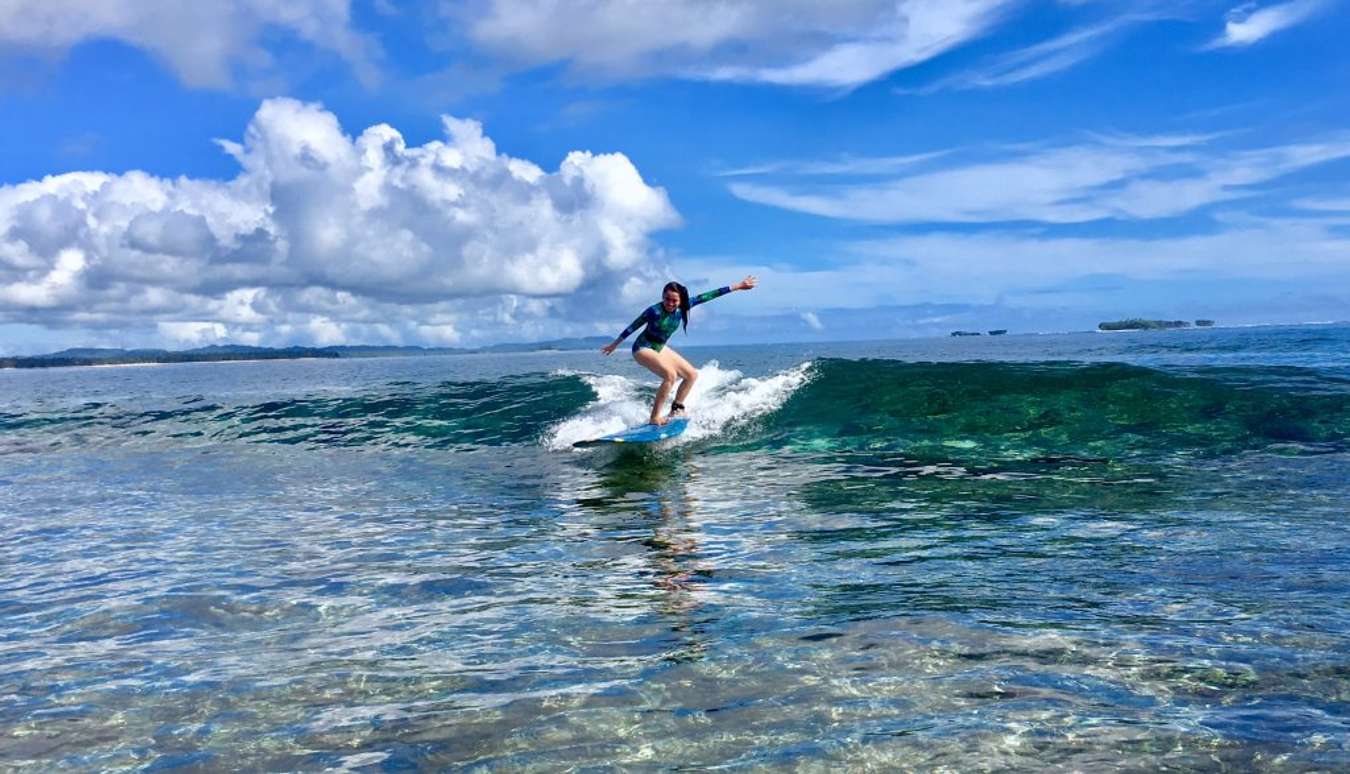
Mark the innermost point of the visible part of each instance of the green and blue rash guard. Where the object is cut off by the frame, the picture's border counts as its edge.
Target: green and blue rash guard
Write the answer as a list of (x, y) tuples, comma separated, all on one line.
[(661, 325)]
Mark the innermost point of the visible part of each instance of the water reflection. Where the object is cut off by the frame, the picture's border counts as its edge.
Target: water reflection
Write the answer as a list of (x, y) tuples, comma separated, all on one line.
[(646, 495)]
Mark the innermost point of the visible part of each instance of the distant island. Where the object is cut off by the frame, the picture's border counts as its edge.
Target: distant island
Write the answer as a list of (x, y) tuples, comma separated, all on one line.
[(218, 353), (1136, 324), (995, 332)]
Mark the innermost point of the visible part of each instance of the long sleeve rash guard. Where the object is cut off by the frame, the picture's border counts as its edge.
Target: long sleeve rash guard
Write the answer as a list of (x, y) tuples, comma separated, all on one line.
[(661, 325)]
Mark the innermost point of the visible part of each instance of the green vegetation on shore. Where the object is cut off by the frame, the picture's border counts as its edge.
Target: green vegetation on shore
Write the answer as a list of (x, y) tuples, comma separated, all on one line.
[(91, 357), (1139, 324), (218, 353)]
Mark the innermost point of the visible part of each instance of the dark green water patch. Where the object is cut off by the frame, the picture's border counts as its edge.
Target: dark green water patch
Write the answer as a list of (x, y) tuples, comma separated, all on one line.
[(1000, 413)]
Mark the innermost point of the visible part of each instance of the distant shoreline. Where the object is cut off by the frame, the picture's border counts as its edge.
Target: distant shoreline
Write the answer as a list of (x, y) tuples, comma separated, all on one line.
[(119, 357), (102, 358)]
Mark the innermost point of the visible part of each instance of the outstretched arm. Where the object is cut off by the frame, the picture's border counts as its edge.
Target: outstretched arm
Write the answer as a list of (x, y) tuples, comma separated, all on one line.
[(641, 320), (745, 284)]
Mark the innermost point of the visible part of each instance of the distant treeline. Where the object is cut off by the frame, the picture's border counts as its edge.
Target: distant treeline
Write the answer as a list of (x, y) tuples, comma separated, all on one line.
[(217, 353), (1136, 324), (58, 360)]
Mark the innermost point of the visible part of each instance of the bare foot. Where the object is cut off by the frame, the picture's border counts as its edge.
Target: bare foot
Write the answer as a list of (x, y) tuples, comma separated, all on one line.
[(658, 421)]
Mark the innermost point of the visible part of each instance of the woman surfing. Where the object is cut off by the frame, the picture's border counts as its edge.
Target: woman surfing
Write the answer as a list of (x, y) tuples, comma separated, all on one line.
[(650, 348)]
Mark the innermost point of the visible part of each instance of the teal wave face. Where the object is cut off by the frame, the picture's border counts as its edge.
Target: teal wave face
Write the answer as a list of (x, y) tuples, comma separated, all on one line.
[(509, 411), (963, 413), (1024, 411)]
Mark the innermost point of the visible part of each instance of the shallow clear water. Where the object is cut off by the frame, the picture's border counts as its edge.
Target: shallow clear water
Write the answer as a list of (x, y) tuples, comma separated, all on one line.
[(1089, 552)]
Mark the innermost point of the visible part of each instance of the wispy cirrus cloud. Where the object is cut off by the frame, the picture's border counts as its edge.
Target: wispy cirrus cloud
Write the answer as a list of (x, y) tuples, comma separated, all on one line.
[(841, 44), (1341, 204), (1100, 277), (1166, 140), (846, 165), (1249, 23), (919, 30), (1040, 60), (204, 42), (1107, 178)]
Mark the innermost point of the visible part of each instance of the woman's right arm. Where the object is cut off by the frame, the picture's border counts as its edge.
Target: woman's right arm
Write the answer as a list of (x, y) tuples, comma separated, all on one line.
[(609, 348)]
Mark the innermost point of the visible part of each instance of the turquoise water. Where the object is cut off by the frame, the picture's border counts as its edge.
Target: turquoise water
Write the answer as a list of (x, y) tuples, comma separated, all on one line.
[(1095, 552)]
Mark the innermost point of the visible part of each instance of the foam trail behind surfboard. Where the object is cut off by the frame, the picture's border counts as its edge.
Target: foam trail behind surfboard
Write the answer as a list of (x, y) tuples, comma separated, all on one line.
[(722, 397), (618, 405)]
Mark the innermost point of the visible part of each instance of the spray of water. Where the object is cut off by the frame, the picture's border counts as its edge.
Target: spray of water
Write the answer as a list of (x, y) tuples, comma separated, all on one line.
[(721, 397)]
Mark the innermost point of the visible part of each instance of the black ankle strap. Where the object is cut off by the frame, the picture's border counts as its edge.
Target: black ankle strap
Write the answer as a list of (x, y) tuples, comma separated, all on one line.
[(676, 406)]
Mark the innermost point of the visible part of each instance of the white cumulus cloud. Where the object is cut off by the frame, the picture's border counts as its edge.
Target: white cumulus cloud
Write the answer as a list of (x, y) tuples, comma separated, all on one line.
[(327, 236)]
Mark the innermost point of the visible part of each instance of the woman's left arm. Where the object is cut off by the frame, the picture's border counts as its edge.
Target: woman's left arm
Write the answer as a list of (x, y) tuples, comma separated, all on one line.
[(746, 284)]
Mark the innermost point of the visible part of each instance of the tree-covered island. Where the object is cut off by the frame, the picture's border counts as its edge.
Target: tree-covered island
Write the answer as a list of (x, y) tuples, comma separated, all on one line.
[(1139, 324)]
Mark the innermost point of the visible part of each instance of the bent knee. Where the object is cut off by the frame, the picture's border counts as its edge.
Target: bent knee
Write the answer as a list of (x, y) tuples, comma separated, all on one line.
[(669, 377), (689, 375)]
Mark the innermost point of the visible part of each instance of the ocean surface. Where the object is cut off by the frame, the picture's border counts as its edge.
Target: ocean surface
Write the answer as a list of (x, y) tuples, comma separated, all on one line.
[(1095, 552)]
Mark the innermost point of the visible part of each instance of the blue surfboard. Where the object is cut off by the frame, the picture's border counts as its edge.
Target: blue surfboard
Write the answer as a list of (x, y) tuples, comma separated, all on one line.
[(641, 433)]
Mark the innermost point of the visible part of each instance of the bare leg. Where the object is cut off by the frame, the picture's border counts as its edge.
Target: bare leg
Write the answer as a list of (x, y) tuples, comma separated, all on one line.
[(652, 361), (687, 373)]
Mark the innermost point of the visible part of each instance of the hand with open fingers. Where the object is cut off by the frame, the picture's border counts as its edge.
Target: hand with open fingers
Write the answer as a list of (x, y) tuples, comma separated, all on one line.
[(747, 283), (609, 348)]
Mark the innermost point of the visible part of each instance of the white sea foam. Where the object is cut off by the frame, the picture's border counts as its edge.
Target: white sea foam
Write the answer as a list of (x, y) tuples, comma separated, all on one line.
[(721, 397), (618, 404)]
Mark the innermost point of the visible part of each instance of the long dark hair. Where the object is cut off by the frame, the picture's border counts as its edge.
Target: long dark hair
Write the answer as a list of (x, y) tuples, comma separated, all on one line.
[(684, 300)]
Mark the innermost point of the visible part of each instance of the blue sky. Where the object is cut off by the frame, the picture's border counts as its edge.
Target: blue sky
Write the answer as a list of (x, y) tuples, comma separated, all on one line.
[(463, 173)]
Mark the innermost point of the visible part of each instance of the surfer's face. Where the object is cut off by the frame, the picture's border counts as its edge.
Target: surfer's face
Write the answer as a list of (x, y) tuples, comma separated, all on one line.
[(670, 300)]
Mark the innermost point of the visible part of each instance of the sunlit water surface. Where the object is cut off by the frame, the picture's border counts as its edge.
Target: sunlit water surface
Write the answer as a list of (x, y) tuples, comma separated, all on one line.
[(1080, 552)]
